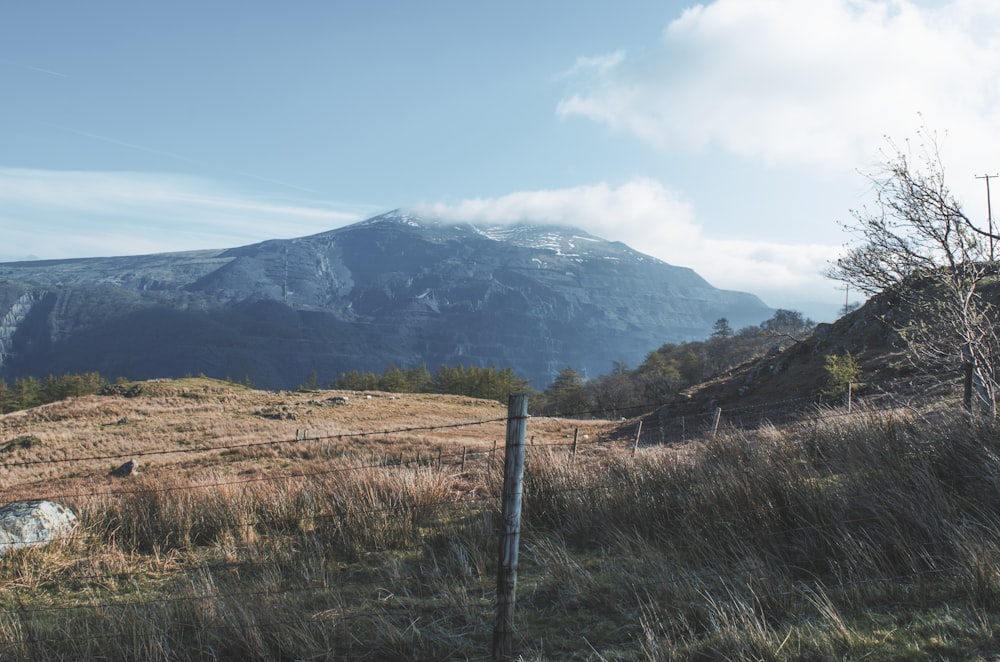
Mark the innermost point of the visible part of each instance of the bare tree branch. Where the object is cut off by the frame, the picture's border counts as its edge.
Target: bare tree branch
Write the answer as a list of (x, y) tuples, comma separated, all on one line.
[(919, 244)]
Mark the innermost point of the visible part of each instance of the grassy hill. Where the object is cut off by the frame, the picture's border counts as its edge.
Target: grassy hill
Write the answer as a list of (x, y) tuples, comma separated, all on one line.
[(874, 535)]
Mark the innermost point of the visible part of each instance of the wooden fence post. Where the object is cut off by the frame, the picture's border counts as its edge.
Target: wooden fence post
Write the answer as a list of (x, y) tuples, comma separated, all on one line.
[(635, 446), (715, 420), (576, 438), (513, 473), (465, 450)]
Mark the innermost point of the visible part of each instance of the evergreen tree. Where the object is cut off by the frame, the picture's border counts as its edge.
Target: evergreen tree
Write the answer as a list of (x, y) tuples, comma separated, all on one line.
[(26, 393), (565, 396), (5, 396), (721, 329)]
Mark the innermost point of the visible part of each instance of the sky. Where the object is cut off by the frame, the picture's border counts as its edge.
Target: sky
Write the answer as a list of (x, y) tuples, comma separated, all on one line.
[(734, 137)]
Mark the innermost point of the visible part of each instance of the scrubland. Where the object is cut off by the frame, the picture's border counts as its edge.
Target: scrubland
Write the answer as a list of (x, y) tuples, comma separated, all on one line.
[(874, 535)]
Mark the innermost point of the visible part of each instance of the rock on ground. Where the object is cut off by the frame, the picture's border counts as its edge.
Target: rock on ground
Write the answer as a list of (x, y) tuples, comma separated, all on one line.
[(129, 468), (32, 523)]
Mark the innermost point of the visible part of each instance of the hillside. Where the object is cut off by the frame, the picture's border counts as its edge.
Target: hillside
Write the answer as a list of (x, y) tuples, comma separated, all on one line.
[(165, 424), (391, 291), (794, 378)]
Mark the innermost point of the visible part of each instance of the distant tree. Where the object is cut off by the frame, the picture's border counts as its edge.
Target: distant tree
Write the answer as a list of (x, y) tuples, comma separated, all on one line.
[(478, 382), (788, 323), (659, 375), (355, 381), (311, 383), (565, 396), (5, 396), (721, 329), (394, 380), (616, 394), (473, 381), (419, 380), (840, 371), (26, 393), (69, 386)]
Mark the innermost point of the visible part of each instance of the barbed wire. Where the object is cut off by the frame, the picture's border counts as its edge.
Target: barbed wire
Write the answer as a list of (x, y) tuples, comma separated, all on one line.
[(340, 436), (300, 519), (388, 463), (660, 423), (326, 586)]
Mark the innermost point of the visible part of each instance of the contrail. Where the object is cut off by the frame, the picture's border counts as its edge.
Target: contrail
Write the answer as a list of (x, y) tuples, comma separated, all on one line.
[(97, 136), (31, 68)]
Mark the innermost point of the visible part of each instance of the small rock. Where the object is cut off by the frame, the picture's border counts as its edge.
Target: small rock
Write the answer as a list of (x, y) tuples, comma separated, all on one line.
[(127, 469)]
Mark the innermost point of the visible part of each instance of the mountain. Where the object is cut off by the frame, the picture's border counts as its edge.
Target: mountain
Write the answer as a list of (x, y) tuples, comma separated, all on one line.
[(392, 290)]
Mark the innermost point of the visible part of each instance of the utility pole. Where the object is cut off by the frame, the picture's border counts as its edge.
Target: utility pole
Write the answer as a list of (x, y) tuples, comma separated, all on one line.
[(989, 209)]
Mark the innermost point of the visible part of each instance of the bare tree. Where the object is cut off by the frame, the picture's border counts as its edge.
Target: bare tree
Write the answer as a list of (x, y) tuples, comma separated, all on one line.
[(919, 245)]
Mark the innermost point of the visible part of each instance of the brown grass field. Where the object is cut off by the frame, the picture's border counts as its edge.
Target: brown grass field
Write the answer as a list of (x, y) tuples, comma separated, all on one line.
[(872, 535), (246, 432)]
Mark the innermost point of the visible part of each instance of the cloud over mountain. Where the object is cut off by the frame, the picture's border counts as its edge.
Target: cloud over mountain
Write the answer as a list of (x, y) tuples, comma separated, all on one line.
[(659, 221)]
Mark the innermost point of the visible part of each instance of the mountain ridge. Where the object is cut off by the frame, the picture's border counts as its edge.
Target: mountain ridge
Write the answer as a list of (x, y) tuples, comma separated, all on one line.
[(395, 289)]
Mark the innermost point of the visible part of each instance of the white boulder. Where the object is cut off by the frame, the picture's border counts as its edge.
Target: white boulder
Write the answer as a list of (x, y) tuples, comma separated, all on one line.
[(32, 523)]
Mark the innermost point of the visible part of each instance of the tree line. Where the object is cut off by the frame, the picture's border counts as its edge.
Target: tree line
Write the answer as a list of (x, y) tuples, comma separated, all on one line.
[(663, 374), (28, 392), (476, 382), (668, 370)]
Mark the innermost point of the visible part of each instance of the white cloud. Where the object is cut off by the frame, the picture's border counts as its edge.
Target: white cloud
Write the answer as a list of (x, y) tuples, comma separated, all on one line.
[(78, 214), (599, 64), (818, 82), (56, 214), (659, 222)]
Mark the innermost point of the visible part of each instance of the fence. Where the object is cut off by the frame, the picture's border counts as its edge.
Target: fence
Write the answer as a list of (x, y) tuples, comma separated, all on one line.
[(308, 542)]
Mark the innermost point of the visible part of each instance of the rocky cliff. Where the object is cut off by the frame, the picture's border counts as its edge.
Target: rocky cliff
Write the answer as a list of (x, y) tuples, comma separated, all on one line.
[(392, 290)]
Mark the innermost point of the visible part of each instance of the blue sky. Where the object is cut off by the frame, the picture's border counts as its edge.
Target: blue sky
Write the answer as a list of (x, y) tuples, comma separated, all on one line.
[(728, 136)]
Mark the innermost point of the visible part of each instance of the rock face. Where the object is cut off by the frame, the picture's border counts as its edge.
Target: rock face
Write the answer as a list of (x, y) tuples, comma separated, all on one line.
[(32, 523), (392, 290)]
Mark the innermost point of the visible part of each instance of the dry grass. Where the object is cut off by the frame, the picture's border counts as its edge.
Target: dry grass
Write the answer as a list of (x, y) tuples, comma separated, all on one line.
[(191, 414), (873, 536)]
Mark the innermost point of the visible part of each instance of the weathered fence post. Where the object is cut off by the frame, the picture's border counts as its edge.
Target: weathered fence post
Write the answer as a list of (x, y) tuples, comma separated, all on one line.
[(715, 421), (635, 446), (465, 450), (576, 438), (513, 473), (849, 397)]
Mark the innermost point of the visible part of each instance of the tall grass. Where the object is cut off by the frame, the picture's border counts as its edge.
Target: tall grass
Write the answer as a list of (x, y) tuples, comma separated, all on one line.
[(874, 535), (738, 539)]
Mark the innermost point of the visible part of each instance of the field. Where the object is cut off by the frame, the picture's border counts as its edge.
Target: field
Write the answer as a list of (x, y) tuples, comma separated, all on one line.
[(302, 526)]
